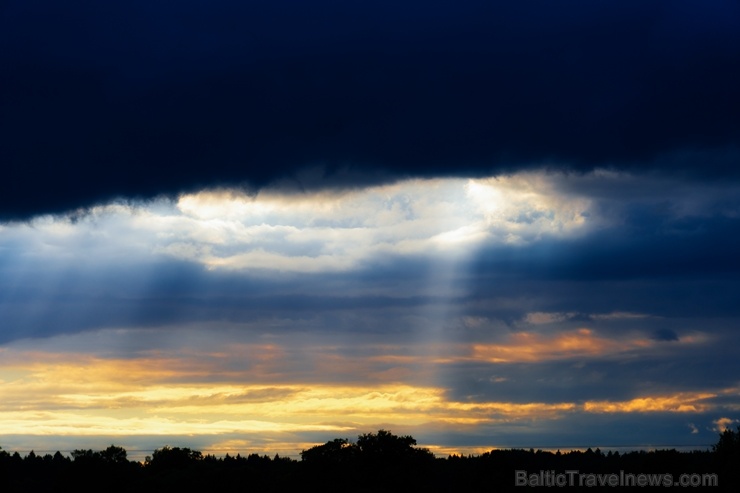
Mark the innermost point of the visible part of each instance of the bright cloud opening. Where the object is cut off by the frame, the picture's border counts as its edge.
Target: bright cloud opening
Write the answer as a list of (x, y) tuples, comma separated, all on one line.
[(318, 231)]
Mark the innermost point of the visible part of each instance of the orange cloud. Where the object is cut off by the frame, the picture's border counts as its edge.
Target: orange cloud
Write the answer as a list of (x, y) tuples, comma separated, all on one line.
[(722, 424), (79, 395), (532, 347), (686, 402)]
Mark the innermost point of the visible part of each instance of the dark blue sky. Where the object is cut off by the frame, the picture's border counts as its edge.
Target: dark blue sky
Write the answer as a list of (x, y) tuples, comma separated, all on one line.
[(140, 98), (245, 226)]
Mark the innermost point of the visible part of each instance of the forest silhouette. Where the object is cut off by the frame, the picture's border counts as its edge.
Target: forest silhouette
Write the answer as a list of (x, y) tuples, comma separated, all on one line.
[(374, 462)]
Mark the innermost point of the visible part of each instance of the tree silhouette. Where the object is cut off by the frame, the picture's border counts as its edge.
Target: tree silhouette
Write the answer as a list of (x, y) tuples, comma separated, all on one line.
[(339, 450), (114, 455), (384, 446), (728, 444), (173, 458), (86, 457), (727, 456)]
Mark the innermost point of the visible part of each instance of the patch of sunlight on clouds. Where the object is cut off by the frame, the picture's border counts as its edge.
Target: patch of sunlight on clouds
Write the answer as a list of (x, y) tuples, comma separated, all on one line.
[(723, 424), (684, 402), (56, 394), (533, 347), (579, 343), (525, 207), (88, 422), (322, 231), (71, 394)]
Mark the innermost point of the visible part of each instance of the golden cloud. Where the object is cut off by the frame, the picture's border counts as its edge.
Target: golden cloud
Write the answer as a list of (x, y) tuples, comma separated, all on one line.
[(534, 347), (78, 395), (685, 402)]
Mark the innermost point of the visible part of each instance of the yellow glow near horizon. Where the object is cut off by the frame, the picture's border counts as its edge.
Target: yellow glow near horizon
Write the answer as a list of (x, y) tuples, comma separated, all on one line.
[(74, 395), (69, 395)]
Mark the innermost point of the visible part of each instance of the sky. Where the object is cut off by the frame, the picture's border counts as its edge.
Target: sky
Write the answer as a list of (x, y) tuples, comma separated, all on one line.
[(258, 226)]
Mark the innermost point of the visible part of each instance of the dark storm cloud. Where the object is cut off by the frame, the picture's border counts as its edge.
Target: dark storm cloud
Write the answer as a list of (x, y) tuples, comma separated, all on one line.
[(580, 431), (650, 245), (142, 98), (616, 377), (660, 271)]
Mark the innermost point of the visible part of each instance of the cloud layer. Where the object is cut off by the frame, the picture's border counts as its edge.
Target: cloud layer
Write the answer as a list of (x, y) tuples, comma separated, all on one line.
[(592, 309)]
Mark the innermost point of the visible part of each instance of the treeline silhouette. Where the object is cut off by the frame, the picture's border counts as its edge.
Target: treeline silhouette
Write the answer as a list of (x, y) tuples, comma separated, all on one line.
[(378, 461)]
